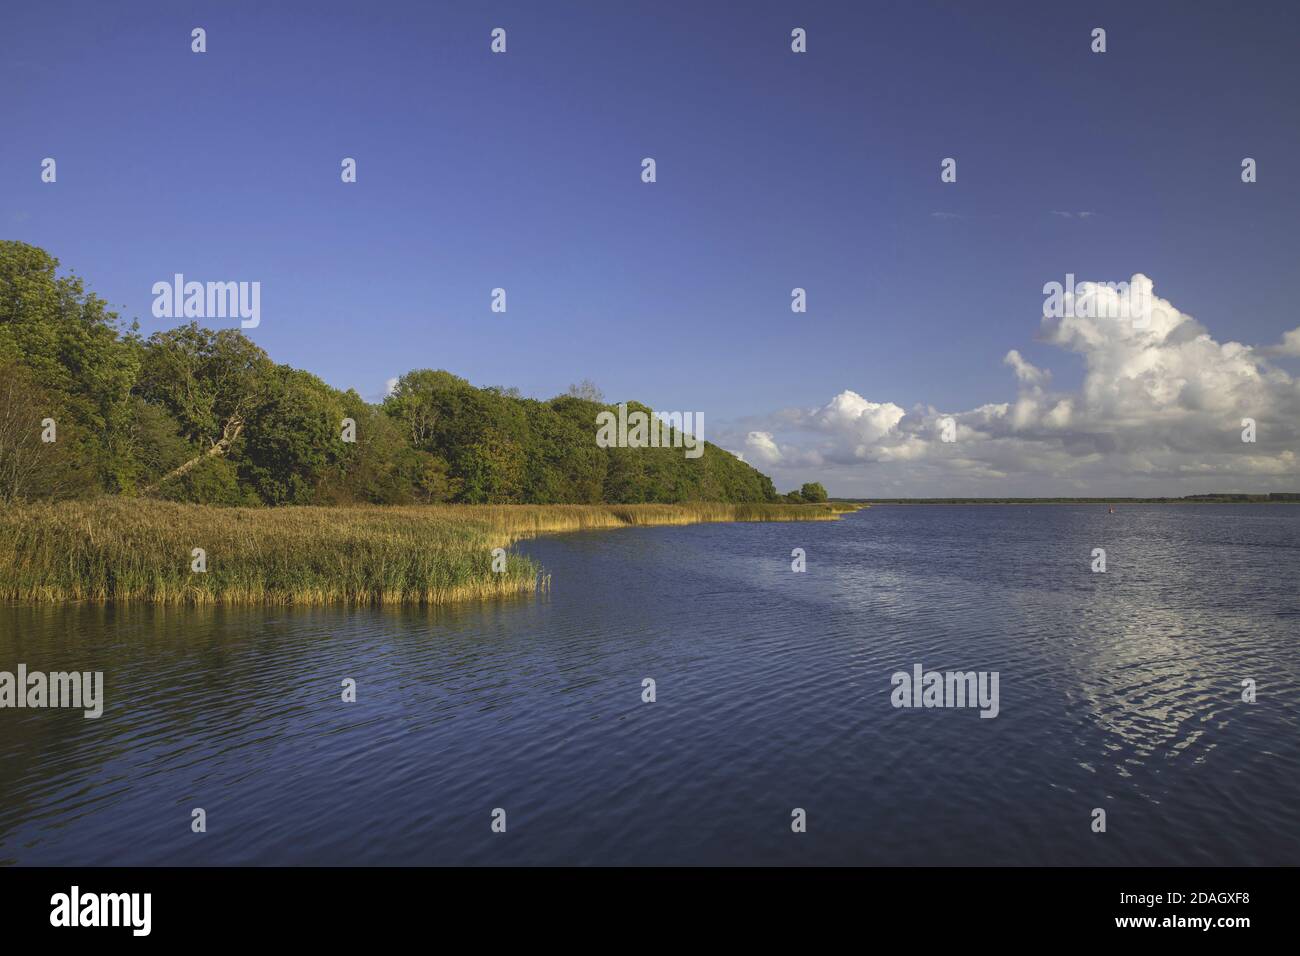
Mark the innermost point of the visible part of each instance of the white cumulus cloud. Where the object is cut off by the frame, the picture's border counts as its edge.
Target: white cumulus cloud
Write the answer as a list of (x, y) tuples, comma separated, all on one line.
[(1159, 411)]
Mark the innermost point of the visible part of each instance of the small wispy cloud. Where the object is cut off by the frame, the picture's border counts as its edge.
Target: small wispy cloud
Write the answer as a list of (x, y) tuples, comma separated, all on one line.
[(389, 386), (1071, 215)]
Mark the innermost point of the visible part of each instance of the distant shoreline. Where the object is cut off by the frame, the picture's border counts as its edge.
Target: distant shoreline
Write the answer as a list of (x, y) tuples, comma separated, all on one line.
[(1277, 499)]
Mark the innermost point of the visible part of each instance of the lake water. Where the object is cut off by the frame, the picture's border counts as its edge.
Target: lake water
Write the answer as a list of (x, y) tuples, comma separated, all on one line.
[(1120, 691)]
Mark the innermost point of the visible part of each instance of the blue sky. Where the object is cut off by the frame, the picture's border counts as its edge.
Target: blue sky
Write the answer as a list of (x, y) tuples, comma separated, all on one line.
[(775, 170)]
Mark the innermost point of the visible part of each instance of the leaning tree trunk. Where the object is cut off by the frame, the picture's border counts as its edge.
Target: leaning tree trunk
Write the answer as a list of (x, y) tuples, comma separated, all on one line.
[(219, 447)]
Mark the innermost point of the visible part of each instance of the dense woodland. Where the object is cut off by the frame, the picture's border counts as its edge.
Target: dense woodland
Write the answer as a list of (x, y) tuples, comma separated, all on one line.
[(196, 415)]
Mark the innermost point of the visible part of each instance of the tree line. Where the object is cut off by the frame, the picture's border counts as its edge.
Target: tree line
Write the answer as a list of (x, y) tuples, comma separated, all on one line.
[(198, 415)]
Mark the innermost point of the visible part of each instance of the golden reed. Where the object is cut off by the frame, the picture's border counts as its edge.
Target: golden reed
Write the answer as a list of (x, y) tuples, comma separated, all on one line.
[(123, 549)]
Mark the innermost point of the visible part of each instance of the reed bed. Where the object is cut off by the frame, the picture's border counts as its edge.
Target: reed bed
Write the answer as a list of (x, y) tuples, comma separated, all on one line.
[(120, 549)]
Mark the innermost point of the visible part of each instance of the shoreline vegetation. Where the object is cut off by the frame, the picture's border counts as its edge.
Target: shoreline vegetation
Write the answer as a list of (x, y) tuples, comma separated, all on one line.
[(134, 550), (188, 467), (1276, 498), (91, 407)]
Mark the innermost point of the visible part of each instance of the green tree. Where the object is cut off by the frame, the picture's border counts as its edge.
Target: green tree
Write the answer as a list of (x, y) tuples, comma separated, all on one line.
[(203, 415), (74, 350), (812, 491), (208, 381), (377, 467), (492, 471), (293, 435), (30, 467)]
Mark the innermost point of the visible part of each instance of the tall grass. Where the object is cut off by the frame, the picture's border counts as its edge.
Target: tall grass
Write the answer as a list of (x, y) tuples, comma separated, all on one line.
[(119, 549)]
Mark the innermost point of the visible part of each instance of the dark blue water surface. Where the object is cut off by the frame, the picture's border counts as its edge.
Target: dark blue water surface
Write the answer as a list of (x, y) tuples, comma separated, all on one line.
[(1120, 691)]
